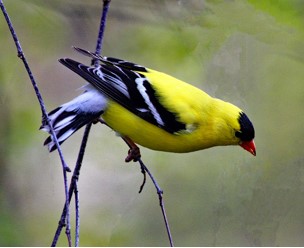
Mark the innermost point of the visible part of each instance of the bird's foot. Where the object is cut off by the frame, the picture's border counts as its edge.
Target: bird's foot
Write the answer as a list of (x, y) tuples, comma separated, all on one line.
[(134, 151), (133, 154)]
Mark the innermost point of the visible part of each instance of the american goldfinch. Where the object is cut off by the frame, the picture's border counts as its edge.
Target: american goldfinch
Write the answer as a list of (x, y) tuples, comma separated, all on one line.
[(150, 108)]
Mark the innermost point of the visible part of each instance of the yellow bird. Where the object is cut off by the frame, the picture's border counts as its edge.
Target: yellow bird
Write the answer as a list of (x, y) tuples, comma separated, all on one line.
[(150, 108)]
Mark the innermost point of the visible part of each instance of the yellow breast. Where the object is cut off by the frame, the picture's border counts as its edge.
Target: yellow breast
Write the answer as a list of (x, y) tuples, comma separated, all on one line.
[(149, 135)]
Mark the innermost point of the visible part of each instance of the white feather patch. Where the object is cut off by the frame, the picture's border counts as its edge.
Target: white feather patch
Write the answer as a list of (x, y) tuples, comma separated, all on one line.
[(142, 90), (66, 121), (90, 101)]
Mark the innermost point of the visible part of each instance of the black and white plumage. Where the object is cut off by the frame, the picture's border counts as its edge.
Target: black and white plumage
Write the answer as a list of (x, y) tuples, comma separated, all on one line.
[(73, 115), (129, 88), (118, 81)]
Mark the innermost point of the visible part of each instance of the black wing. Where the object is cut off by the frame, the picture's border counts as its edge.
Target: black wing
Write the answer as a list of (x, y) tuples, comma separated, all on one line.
[(129, 88)]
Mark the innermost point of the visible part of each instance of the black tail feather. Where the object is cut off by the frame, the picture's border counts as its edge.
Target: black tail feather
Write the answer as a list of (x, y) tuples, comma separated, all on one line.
[(65, 123)]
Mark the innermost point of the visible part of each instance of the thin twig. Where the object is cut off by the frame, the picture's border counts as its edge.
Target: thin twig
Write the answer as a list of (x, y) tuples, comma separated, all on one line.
[(159, 191), (75, 177), (76, 172), (43, 110), (161, 202), (102, 26), (144, 180), (77, 213), (33, 81)]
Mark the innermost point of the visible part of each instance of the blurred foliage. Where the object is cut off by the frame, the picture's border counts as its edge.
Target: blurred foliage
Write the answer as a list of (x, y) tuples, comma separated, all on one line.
[(247, 52)]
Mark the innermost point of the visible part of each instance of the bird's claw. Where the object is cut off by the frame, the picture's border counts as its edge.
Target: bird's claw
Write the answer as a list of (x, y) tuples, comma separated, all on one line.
[(133, 154)]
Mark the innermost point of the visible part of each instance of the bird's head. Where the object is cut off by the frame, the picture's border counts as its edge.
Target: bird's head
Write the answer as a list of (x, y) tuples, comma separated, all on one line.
[(233, 126), (245, 133)]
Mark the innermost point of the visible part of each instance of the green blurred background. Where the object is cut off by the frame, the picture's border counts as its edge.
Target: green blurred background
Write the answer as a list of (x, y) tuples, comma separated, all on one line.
[(249, 53)]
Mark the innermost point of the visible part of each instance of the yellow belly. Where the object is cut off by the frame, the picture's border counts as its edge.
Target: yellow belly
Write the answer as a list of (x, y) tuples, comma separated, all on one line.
[(150, 136)]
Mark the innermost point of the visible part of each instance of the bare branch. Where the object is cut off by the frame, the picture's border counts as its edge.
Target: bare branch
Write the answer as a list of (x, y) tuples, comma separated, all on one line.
[(43, 110), (135, 156), (102, 25), (160, 192), (76, 172), (77, 228)]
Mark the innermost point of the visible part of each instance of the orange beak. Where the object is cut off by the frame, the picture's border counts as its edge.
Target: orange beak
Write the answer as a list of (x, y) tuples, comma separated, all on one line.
[(249, 146)]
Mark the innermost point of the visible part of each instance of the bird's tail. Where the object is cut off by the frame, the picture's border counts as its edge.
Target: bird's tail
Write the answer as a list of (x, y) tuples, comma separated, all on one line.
[(65, 122), (70, 117)]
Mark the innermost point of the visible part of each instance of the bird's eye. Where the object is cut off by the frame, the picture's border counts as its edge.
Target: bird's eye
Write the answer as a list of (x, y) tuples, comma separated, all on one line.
[(238, 134)]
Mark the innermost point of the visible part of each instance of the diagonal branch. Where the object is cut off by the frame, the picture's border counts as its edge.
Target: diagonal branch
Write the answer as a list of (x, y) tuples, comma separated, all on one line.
[(160, 192), (76, 172), (102, 26), (43, 110), (72, 187), (134, 154)]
